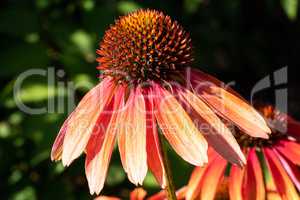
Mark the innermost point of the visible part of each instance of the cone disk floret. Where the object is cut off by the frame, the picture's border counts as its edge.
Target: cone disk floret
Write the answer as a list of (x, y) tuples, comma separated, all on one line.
[(144, 45)]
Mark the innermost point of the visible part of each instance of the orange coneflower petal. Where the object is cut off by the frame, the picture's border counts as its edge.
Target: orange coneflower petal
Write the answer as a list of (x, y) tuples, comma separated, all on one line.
[(57, 147), (154, 155), (101, 143), (180, 194), (132, 139), (213, 176), (254, 184), (83, 119), (138, 194), (283, 183), (178, 128), (229, 105), (235, 182), (291, 169), (290, 150), (194, 185), (215, 131)]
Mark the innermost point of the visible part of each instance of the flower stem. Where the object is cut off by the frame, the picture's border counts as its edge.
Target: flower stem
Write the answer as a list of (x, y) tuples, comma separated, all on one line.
[(170, 189)]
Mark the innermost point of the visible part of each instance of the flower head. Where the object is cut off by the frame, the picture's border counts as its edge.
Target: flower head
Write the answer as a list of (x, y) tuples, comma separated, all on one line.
[(147, 87), (144, 45), (271, 171)]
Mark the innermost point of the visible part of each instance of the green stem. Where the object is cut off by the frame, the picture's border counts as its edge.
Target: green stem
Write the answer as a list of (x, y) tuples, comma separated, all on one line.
[(170, 189)]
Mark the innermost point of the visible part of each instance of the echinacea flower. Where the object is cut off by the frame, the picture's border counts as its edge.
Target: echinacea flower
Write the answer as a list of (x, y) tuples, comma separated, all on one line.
[(272, 170), (146, 84)]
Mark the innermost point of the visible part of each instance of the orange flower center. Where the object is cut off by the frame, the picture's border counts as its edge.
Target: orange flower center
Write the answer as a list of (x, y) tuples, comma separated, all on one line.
[(144, 45)]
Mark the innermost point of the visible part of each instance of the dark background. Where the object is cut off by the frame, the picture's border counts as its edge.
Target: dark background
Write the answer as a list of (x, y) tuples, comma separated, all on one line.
[(234, 40)]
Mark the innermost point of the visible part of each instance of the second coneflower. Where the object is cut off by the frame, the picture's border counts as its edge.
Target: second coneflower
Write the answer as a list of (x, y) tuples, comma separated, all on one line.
[(271, 171), (146, 86)]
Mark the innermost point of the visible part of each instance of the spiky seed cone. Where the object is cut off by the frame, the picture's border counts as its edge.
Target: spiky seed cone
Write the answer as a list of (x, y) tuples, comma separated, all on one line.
[(144, 45)]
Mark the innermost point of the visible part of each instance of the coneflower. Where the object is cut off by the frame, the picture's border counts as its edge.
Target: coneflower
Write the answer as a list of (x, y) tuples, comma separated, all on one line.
[(147, 87), (271, 171)]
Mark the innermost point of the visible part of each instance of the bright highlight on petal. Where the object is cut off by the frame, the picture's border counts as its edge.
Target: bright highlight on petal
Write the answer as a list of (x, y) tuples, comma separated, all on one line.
[(178, 128), (132, 137)]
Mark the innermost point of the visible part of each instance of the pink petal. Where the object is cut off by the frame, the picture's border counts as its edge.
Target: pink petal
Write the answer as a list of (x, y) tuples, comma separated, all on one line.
[(283, 183), (178, 128), (291, 169), (230, 106), (132, 138), (57, 147), (254, 187), (236, 182), (289, 149), (83, 119), (215, 132), (101, 144), (154, 155)]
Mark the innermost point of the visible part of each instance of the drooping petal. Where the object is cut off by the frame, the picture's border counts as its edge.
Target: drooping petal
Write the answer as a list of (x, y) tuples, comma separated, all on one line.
[(178, 128), (291, 169), (235, 182), (215, 132), (83, 119), (283, 183), (213, 176), (228, 105), (138, 194), (101, 143), (154, 154), (57, 147), (254, 188), (132, 137), (289, 149), (194, 185)]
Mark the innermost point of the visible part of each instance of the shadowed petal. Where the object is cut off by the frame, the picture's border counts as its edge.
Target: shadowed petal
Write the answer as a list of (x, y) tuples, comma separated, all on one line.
[(213, 176), (101, 143), (154, 155), (180, 194), (228, 105), (178, 128), (132, 138), (217, 134), (235, 183), (138, 194), (254, 185), (283, 183), (290, 150), (194, 185), (83, 119), (291, 169)]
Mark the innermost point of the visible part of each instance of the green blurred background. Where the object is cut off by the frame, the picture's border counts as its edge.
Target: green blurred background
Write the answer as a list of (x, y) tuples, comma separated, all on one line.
[(235, 40)]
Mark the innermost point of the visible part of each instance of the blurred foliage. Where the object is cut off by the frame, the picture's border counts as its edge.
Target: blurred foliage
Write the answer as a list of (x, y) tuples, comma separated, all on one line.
[(233, 40)]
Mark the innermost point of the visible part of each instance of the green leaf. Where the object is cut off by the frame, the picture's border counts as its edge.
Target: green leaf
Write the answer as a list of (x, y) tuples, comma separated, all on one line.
[(290, 8), (28, 193)]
